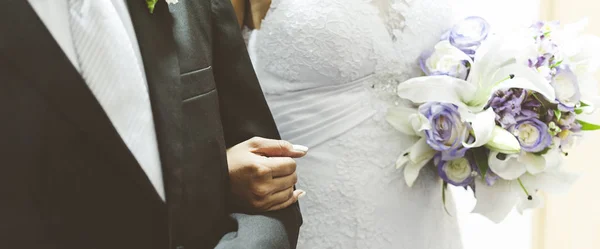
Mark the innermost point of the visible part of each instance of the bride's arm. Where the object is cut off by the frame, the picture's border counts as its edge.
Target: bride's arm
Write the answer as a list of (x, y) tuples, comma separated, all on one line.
[(251, 12), (245, 114), (240, 10)]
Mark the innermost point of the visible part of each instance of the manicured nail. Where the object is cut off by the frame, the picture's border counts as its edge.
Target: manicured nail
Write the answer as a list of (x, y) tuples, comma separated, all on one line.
[(300, 148), (302, 194)]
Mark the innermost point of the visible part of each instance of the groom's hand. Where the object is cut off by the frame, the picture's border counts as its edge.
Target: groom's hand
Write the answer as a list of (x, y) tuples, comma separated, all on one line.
[(263, 173)]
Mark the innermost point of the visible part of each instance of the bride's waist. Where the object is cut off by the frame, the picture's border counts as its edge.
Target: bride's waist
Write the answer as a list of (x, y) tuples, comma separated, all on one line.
[(315, 115)]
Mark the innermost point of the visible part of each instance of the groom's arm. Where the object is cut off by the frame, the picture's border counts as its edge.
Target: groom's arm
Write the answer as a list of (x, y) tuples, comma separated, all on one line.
[(245, 114)]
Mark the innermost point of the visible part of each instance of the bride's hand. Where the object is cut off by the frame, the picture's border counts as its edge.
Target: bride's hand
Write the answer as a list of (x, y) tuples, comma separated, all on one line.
[(263, 173)]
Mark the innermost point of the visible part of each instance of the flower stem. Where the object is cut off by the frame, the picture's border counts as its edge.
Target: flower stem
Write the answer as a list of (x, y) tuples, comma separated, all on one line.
[(510, 77), (444, 187), (538, 99), (529, 197)]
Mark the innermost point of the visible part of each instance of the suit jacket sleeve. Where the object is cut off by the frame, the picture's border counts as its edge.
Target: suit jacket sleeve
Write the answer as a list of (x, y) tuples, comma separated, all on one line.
[(245, 114)]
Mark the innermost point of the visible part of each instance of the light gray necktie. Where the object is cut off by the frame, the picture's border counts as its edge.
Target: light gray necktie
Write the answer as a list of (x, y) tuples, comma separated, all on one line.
[(108, 63)]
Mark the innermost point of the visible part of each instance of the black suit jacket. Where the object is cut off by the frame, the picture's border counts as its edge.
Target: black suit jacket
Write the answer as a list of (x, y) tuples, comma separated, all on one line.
[(67, 180)]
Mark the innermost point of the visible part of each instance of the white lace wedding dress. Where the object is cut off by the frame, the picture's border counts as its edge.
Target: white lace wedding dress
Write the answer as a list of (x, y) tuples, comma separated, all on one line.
[(329, 70)]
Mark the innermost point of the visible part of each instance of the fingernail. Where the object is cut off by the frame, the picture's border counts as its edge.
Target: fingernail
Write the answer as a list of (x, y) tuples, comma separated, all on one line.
[(302, 194), (300, 148)]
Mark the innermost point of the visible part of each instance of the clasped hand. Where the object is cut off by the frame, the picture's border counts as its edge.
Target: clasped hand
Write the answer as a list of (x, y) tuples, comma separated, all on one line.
[(263, 173)]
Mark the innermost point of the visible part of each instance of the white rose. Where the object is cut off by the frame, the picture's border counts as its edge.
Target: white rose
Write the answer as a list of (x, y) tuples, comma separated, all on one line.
[(458, 172), (446, 60)]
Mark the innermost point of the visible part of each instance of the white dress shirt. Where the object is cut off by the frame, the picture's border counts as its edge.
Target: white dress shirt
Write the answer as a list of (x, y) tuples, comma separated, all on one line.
[(55, 15)]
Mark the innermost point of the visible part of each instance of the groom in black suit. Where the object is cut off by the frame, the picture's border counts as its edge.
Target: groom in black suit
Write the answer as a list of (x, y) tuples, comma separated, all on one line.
[(67, 178)]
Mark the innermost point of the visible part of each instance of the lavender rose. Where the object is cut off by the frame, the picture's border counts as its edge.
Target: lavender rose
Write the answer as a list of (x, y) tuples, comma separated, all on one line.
[(533, 135), (448, 131), (468, 34), (458, 172)]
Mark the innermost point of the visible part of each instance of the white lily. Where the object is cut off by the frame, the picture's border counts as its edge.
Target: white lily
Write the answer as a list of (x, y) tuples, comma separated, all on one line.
[(409, 121), (414, 159), (514, 166), (495, 202), (588, 86), (499, 64), (503, 141)]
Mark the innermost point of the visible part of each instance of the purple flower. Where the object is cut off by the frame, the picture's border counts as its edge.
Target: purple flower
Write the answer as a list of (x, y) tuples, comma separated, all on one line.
[(545, 63), (568, 122), (512, 105), (448, 131), (566, 88), (468, 34), (566, 128), (533, 135), (542, 30), (458, 172)]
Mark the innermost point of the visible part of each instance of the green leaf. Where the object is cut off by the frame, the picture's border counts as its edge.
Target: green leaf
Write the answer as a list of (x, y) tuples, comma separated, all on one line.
[(151, 4), (538, 99), (579, 109), (555, 65), (583, 104), (444, 187), (558, 114), (585, 126), (481, 159), (543, 152)]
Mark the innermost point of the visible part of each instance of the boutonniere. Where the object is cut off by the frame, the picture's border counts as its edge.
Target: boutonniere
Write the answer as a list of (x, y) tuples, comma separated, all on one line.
[(152, 3)]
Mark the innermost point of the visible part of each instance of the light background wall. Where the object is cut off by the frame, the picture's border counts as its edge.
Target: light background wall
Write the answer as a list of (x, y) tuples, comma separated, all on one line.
[(573, 221)]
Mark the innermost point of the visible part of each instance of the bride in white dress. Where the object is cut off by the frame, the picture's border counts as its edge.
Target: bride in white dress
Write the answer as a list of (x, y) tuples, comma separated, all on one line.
[(329, 70)]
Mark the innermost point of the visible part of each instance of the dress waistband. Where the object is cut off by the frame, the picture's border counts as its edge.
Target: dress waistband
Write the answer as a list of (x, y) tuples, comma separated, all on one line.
[(313, 116)]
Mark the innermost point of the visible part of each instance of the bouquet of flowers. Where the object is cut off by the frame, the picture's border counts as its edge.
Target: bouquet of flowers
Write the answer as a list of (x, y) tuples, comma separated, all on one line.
[(497, 113)]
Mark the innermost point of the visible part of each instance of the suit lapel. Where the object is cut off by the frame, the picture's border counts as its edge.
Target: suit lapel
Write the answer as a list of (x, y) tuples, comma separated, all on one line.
[(42, 63), (159, 53)]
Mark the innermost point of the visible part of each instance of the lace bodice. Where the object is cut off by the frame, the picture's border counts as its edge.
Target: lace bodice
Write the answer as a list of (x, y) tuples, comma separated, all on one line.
[(329, 70), (312, 43)]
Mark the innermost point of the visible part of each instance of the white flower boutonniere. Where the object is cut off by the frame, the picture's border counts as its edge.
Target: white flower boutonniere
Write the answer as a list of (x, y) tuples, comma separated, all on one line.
[(152, 3)]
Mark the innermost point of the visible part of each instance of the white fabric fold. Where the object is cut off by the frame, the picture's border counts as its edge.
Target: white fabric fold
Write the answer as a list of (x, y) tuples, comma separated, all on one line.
[(310, 117)]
